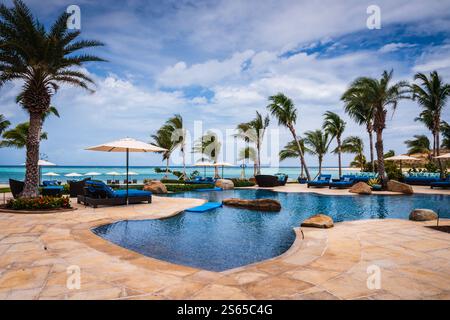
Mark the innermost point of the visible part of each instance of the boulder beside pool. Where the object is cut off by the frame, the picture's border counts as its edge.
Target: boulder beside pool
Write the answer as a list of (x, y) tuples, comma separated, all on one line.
[(318, 221), (257, 204), (361, 188), (155, 187), (423, 215), (224, 184), (396, 186)]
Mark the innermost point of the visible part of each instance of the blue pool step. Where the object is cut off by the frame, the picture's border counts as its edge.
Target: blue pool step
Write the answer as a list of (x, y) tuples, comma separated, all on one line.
[(205, 207), (209, 189)]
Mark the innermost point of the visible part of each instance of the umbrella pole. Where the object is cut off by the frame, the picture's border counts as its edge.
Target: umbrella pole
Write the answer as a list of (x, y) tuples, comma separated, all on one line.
[(128, 158)]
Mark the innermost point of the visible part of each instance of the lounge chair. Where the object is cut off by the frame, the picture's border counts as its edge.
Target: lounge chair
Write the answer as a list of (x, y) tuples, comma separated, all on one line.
[(282, 178), (16, 187), (322, 181), (52, 191), (76, 188), (108, 182), (48, 183), (201, 180), (345, 182), (98, 193), (134, 181), (268, 181), (116, 181), (422, 178), (441, 184)]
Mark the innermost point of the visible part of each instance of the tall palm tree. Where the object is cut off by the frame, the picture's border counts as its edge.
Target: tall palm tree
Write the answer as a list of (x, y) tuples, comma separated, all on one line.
[(4, 124), (290, 150), (380, 94), (445, 129), (420, 144), (209, 147), (245, 154), (359, 109), (317, 143), (176, 127), (163, 139), (253, 131), (355, 145), (335, 126), (42, 59), (284, 110), (431, 94), (17, 137)]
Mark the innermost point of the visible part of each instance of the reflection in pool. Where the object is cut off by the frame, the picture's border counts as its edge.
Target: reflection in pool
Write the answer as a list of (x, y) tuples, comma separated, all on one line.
[(227, 237)]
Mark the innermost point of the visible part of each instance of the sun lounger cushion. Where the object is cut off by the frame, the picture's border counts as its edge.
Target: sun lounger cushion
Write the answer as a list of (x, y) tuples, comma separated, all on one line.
[(205, 207), (131, 193)]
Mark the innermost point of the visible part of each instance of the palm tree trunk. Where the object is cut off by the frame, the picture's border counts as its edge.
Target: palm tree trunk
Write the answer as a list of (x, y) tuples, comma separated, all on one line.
[(302, 156), (434, 144), (438, 153), (339, 156), (380, 156), (372, 160), (167, 168), (361, 161), (258, 147), (32, 169), (320, 165), (184, 161)]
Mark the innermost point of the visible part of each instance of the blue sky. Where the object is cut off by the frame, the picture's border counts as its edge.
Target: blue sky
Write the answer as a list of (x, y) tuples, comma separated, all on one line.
[(218, 61)]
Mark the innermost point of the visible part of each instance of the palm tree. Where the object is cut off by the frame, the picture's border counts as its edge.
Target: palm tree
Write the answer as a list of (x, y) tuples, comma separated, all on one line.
[(245, 154), (335, 126), (355, 145), (379, 95), (4, 124), (358, 108), (42, 59), (163, 139), (17, 137), (254, 131), (176, 127), (420, 144), (445, 129), (284, 110), (209, 147), (317, 143), (290, 150)]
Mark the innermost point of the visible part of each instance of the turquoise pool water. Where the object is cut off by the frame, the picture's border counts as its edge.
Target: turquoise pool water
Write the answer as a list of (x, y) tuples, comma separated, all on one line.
[(227, 237)]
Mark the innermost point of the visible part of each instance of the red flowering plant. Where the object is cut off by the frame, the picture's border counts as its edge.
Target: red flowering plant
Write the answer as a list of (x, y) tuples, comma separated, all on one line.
[(39, 203)]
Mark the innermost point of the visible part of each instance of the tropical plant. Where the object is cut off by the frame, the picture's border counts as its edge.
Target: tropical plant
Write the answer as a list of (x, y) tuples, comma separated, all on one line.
[(431, 94), (42, 59), (254, 131), (379, 95), (445, 129), (389, 154), (317, 143), (284, 110), (335, 126), (245, 154), (355, 145), (17, 137), (290, 150), (359, 109), (209, 147), (4, 124), (420, 144), (359, 162), (178, 132), (163, 139), (374, 181)]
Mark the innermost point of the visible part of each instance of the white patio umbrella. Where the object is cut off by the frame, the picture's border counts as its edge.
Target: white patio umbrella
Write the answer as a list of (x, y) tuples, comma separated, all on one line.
[(126, 145), (401, 158), (42, 163), (91, 174), (73, 174), (51, 174), (222, 164), (444, 156), (204, 164)]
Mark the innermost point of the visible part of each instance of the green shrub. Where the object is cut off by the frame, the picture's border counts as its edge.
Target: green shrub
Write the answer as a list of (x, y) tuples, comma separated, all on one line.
[(239, 183), (393, 171), (173, 181), (187, 187), (5, 190), (39, 203)]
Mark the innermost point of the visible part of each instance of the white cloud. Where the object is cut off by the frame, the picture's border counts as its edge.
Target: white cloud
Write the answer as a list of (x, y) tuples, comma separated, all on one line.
[(392, 47)]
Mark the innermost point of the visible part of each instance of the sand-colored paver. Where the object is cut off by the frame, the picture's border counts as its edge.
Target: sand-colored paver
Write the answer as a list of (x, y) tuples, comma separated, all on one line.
[(37, 250)]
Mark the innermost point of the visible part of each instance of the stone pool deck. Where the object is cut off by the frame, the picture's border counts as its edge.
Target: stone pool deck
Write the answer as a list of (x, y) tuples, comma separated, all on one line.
[(36, 251)]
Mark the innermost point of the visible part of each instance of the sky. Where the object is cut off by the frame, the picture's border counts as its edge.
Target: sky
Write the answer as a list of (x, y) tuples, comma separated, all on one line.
[(218, 62)]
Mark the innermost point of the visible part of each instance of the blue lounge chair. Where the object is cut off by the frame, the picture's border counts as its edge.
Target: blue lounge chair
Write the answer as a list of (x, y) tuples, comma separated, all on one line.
[(98, 193), (49, 183), (52, 191), (345, 182), (322, 181), (441, 184), (422, 178)]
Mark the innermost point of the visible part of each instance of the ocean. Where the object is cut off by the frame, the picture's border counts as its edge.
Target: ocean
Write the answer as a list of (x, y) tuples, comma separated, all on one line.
[(148, 172)]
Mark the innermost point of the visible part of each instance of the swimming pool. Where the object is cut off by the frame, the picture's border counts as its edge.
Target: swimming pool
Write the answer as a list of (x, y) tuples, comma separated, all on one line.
[(227, 238)]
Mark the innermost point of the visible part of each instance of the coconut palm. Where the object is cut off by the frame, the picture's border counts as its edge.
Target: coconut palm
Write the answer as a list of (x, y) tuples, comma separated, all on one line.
[(420, 144), (253, 132), (380, 94), (163, 139), (4, 124), (245, 154), (290, 150), (335, 126), (355, 145), (17, 137), (42, 60), (431, 94), (209, 147), (445, 129), (176, 127), (317, 143), (284, 110), (359, 109)]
